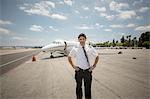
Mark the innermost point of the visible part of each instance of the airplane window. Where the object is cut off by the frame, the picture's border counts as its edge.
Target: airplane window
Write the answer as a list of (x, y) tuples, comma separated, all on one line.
[(55, 42), (58, 42)]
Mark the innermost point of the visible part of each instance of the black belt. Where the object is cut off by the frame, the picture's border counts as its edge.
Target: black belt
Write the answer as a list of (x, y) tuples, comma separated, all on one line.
[(84, 69)]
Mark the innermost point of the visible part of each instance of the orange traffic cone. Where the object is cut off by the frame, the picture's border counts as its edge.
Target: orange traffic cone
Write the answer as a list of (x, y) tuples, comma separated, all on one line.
[(33, 58)]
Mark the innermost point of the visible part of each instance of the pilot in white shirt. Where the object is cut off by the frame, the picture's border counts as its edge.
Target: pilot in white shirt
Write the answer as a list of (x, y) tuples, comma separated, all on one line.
[(83, 58), (80, 60)]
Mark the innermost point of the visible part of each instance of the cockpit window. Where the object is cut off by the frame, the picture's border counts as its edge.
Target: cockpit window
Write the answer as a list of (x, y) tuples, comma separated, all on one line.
[(55, 42)]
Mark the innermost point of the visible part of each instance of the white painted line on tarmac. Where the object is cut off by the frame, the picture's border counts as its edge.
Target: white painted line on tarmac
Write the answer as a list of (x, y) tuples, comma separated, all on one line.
[(16, 60)]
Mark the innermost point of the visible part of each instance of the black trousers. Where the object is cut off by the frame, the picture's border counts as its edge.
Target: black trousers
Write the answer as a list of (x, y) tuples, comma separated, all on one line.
[(86, 76)]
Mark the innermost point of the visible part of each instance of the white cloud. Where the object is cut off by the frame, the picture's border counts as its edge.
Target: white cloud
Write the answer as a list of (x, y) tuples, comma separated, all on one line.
[(122, 26), (116, 26), (49, 3), (52, 28), (108, 17), (22, 8), (60, 2), (85, 8), (85, 27), (4, 31), (24, 41), (97, 25), (21, 40), (127, 14), (36, 28), (137, 2), (117, 6), (58, 16), (143, 9), (18, 38), (84, 17), (38, 11), (2, 22), (43, 8), (138, 17), (76, 11), (37, 8), (108, 30), (130, 25), (68, 2), (103, 14), (143, 28), (102, 9)]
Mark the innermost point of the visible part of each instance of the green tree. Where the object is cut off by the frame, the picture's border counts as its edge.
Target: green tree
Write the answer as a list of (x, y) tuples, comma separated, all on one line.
[(134, 42), (122, 40), (129, 41), (144, 40), (113, 43)]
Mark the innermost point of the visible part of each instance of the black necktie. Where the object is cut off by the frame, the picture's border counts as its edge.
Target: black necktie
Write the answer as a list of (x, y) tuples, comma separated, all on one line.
[(86, 56)]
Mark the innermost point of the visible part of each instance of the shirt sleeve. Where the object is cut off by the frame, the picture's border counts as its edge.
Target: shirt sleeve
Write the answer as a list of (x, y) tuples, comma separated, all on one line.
[(72, 52), (94, 52)]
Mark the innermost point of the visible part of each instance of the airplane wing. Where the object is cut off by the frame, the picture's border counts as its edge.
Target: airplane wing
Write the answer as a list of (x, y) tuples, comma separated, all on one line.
[(62, 47)]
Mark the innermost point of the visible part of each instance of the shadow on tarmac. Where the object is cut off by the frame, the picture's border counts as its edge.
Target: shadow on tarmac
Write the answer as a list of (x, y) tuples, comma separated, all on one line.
[(52, 57)]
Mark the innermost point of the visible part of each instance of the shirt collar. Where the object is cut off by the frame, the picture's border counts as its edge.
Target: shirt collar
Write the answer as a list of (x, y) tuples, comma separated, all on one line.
[(85, 46)]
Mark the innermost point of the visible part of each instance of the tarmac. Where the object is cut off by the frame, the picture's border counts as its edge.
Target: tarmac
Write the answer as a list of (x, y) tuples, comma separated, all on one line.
[(12, 50), (117, 76)]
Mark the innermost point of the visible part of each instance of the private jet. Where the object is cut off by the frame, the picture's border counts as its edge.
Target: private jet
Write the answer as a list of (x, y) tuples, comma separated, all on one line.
[(64, 47), (59, 46)]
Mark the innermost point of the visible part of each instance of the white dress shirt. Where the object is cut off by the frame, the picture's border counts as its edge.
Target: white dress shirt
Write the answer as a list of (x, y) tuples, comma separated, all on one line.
[(80, 60)]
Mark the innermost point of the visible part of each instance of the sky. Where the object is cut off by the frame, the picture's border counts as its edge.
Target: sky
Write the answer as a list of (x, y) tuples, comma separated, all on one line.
[(39, 22)]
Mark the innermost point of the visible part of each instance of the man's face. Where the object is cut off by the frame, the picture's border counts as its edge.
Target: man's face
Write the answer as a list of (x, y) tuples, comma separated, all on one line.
[(82, 40)]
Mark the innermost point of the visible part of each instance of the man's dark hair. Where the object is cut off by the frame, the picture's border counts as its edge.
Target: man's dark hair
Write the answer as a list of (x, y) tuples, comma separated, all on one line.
[(82, 34)]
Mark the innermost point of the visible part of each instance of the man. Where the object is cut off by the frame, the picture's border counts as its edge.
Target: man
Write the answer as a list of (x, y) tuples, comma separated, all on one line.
[(86, 59)]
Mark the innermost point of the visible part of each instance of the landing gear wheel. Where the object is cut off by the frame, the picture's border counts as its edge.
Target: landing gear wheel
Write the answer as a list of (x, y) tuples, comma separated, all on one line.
[(51, 55)]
